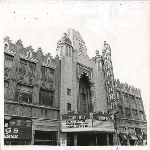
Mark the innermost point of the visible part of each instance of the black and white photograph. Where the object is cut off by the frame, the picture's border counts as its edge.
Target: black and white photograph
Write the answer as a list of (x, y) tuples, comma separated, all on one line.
[(75, 74)]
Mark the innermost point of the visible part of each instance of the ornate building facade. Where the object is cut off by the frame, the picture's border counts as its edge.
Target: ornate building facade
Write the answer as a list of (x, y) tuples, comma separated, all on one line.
[(68, 100), (31, 96), (131, 119)]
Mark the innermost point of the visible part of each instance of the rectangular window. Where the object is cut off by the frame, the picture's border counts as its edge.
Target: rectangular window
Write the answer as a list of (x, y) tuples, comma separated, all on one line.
[(66, 51), (118, 95), (132, 99), (46, 97), (6, 85), (23, 66), (68, 107), (24, 93), (51, 71), (46, 138), (68, 92), (120, 111), (135, 115), (23, 63), (127, 112), (44, 71), (31, 68), (139, 102), (141, 115)]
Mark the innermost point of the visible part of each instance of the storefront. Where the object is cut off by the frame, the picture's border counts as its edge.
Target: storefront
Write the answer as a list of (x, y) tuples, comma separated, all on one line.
[(124, 139), (86, 129), (131, 136), (45, 132), (141, 137), (17, 131)]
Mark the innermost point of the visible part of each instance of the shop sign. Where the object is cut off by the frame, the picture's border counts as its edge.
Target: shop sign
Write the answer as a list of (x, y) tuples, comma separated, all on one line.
[(109, 77), (18, 129), (18, 133), (63, 139), (11, 133), (76, 122), (45, 125), (63, 142), (103, 122)]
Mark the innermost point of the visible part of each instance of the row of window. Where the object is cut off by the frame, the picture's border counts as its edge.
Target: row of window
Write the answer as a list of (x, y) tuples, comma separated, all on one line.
[(24, 93), (30, 66), (134, 113), (130, 98)]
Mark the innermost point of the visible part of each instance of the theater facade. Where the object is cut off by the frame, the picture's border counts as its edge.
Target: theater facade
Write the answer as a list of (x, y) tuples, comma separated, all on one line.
[(69, 100)]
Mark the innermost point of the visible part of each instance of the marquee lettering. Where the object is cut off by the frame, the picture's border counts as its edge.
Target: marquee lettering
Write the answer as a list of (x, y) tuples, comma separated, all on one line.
[(107, 66), (108, 74), (102, 118), (111, 97), (11, 136), (110, 90), (77, 117), (108, 82)]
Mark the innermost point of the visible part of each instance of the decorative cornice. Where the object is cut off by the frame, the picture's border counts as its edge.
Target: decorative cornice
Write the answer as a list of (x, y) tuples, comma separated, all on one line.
[(124, 87), (29, 53)]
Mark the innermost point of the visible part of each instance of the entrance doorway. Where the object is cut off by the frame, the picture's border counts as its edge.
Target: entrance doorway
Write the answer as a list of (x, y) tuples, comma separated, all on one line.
[(84, 101), (101, 139), (86, 139)]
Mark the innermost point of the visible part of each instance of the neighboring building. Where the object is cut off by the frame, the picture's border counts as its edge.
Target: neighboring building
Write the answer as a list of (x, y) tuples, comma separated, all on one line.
[(31, 96), (70, 100), (131, 119)]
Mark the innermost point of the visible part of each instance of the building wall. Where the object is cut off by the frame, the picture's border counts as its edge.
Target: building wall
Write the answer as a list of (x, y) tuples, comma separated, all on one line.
[(13, 77), (69, 75), (130, 98)]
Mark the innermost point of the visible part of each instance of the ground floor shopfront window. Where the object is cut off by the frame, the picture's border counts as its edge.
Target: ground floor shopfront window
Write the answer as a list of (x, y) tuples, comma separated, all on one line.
[(89, 139), (45, 138)]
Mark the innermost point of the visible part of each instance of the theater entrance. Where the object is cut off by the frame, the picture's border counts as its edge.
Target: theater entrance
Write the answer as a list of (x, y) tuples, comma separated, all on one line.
[(86, 139), (93, 139)]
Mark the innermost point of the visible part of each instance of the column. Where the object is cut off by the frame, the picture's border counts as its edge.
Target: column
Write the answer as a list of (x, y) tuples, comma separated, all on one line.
[(33, 134), (37, 84), (96, 140), (58, 138), (75, 139), (107, 139)]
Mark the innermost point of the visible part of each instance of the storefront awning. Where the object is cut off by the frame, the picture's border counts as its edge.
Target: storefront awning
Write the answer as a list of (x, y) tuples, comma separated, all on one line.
[(140, 136), (133, 137), (124, 136)]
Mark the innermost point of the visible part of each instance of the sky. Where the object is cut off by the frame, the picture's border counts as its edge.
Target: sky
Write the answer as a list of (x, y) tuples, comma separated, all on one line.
[(123, 25)]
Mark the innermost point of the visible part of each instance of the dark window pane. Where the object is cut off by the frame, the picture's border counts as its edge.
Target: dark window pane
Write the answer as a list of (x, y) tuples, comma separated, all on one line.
[(46, 97), (68, 107)]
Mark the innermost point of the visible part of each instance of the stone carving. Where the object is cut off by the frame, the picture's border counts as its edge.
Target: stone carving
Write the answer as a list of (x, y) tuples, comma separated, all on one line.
[(6, 73), (64, 40), (84, 70), (12, 109), (7, 41)]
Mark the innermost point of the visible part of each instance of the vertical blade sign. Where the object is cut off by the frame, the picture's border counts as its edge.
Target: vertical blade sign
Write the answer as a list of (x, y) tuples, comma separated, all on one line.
[(109, 78)]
